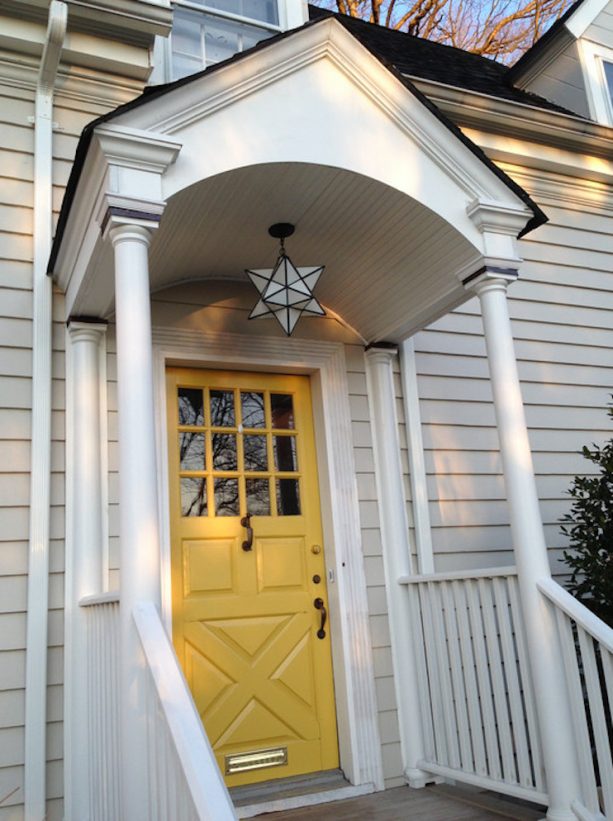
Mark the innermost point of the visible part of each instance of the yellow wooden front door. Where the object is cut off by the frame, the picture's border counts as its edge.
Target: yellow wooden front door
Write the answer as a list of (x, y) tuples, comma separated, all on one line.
[(247, 614)]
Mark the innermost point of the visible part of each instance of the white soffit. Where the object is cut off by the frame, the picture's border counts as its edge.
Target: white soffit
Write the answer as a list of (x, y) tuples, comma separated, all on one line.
[(387, 258)]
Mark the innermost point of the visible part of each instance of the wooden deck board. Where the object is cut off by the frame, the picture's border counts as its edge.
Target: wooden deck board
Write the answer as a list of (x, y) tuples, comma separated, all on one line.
[(402, 803)]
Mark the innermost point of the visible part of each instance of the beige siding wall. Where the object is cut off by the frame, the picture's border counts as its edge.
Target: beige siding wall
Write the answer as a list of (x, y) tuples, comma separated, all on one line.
[(601, 30), (72, 113), (561, 311), (562, 82)]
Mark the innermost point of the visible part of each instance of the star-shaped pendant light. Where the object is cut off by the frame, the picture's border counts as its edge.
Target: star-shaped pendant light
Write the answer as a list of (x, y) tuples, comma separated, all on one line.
[(286, 291)]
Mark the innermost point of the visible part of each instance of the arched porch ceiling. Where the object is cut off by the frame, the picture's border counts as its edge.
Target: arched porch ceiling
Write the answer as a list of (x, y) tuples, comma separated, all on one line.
[(389, 261)]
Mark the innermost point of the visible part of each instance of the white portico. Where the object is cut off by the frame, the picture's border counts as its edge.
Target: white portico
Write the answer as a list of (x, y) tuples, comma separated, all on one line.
[(406, 214)]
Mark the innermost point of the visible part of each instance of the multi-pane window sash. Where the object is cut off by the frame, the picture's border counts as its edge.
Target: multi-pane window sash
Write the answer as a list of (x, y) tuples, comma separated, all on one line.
[(204, 34)]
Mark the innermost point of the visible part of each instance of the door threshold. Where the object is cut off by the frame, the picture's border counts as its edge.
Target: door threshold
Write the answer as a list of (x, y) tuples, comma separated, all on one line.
[(291, 793)]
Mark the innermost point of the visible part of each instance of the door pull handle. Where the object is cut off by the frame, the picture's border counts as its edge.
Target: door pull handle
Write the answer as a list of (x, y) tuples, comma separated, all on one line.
[(246, 523), (318, 604)]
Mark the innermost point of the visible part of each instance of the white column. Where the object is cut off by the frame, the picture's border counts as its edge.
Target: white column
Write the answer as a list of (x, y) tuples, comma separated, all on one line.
[(138, 510), (396, 554), (85, 559), (530, 551)]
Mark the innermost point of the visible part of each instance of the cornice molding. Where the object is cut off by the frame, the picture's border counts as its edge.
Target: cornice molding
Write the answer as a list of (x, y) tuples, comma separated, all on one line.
[(560, 191), (98, 89), (133, 148), (497, 116)]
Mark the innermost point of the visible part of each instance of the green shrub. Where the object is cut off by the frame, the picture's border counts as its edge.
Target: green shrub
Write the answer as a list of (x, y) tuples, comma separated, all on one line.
[(589, 527)]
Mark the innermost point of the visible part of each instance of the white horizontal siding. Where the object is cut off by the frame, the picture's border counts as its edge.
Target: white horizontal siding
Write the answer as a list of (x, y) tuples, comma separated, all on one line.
[(561, 311), (16, 249)]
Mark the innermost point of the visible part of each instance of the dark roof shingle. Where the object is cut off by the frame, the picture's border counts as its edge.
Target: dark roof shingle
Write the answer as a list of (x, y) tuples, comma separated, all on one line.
[(428, 60)]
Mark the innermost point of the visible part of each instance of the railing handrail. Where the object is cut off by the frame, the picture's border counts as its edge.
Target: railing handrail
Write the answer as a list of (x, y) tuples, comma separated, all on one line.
[(459, 575), (578, 612), (112, 597), (209, 793)]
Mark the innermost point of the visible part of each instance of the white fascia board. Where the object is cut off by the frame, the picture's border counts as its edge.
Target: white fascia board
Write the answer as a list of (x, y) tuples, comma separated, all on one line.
[(107, 17), (327, 41), (579, 22), (513, 119)]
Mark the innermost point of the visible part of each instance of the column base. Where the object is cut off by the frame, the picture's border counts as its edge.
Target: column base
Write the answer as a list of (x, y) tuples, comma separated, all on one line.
[(560, 815), (417, 779)]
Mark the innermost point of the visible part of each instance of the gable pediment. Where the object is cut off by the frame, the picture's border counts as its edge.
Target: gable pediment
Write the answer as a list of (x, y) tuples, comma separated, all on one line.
[(317, 95)]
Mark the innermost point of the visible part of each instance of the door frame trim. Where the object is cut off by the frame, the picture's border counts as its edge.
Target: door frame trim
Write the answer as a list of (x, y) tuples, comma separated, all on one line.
[(355, 695)]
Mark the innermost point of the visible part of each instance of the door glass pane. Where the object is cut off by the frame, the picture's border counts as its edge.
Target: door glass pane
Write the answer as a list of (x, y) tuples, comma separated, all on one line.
[(256, 457), (288, 497), (282, 410), (224, 451), (191, 451), (191, 408), (258, 497), (222, 409), (252, 408), (193, 496), (285, 453), (226, 497)]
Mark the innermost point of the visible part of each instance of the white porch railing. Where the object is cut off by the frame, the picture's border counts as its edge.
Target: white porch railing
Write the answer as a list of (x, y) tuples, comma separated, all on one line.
[(185, 781), (102, 618), (479, 718), (587, 649)]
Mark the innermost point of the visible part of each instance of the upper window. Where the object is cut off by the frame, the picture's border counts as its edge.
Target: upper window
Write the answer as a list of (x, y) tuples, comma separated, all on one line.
[(608, 74), (206, 33), (597, 62)]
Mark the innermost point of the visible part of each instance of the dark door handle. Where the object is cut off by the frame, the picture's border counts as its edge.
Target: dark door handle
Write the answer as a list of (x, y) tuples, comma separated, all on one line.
[(318, 604), (246, 523)]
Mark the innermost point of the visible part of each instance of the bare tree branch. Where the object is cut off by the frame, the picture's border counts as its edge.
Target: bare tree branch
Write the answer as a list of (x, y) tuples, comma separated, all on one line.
[(502, 29)]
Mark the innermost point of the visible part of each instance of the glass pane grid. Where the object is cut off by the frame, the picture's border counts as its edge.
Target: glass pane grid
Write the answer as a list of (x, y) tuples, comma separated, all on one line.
[(229, 468)]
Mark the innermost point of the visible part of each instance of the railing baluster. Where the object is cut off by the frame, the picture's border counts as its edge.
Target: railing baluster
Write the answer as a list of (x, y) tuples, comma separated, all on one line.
[(579, 715), (422, 672), (498, 683), (526, 682), (599, 722), (483, 677), (472, 691), (444, 677), (511, 674), (430, 640), (457, 678)]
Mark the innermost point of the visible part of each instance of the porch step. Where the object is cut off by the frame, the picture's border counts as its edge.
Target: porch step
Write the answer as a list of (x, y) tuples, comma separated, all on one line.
[(283, 788)]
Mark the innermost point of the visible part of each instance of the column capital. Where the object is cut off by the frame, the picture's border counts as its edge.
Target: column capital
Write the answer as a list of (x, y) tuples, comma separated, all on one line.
[(381, 352), (121, 224), (490, 278), (81, 329)]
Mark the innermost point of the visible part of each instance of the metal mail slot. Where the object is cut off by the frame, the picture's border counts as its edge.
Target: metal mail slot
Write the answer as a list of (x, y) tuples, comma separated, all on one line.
[(256, 760)]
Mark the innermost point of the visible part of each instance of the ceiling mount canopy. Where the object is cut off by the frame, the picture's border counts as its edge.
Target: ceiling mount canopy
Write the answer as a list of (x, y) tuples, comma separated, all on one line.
[(286, 292)]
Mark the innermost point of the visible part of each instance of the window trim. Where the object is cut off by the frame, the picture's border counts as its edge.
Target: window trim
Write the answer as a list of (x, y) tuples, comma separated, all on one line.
[(599, 94)]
